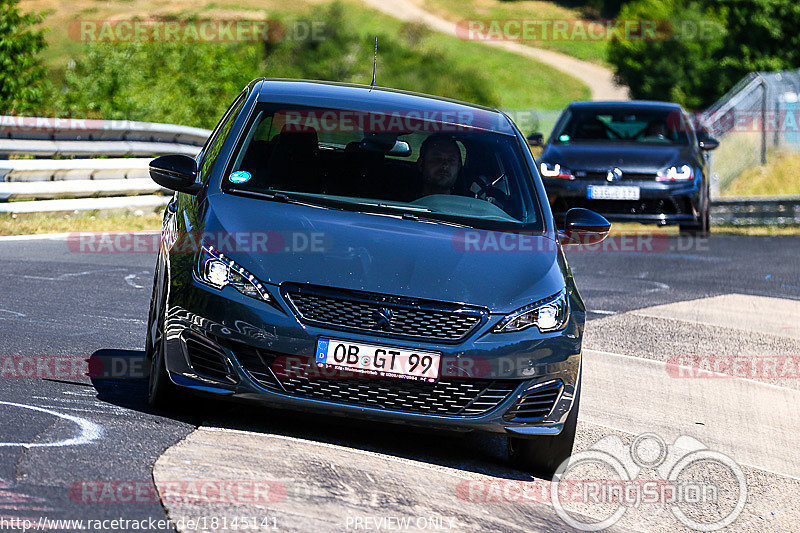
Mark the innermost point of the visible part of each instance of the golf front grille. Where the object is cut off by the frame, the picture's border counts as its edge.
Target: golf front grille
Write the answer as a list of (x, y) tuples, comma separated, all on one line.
[(299, 376), (377, 314)]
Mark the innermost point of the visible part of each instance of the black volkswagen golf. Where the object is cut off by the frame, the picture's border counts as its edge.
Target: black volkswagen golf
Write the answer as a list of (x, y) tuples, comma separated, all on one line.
[(370, 253), (630, 161)]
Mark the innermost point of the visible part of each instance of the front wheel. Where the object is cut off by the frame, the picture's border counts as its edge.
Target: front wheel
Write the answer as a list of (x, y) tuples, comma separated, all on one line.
[(161, 392), (542, 455), (703, 226)]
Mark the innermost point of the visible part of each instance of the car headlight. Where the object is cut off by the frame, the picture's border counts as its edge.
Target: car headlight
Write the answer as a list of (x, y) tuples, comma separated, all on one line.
[(214, 269), (555, 171), (548, 315), (681, 173)]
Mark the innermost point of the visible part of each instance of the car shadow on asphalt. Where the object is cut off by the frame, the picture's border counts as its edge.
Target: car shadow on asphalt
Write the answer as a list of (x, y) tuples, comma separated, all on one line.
[(120, 378)]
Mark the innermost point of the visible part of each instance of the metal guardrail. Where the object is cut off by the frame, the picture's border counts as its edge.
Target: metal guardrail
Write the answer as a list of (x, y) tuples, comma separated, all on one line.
[(77, 129), (64, 169), (765, 211), (85, 204), (73, 177), (59, 148), (77, 188)]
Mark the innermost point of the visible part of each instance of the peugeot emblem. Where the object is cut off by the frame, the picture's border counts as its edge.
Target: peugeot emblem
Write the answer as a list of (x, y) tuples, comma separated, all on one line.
[(614, 174), (383, 317)]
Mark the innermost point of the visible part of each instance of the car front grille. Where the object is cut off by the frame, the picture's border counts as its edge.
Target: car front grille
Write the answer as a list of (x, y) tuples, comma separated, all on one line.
[(602, 176), (298, 376), (387, 316), (644, 206)]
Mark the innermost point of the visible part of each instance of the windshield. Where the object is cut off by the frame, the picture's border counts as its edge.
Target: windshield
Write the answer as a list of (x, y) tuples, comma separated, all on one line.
[(406, 166), (621, 125)]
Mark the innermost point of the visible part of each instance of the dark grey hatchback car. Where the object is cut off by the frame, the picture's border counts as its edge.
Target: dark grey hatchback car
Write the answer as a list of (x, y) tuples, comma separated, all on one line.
[(364, 252)]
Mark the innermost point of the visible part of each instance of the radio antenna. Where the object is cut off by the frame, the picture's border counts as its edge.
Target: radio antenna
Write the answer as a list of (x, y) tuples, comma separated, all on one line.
[(374, 64)]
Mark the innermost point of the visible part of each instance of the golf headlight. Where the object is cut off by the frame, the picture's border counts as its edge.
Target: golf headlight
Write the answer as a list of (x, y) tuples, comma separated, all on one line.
[(550, 314), (218, 271), (555, 170), (683, 172)]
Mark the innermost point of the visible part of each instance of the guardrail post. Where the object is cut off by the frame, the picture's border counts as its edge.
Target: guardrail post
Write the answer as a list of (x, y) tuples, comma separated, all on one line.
[(763, 121)]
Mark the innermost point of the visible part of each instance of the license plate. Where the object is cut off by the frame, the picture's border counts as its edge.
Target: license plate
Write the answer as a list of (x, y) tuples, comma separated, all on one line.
[(383, 361), (602, 192)]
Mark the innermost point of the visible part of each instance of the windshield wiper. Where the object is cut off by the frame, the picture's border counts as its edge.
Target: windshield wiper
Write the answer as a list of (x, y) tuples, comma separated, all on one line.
[(275, 197)]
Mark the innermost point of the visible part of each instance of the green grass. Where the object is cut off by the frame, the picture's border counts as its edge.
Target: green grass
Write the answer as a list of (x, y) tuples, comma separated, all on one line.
[(34, 223), (530, 10), (632, 228), (780, 176), (520, 82)]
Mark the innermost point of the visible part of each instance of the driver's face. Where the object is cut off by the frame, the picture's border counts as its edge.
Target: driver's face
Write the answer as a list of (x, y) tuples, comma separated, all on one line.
[(441, 165)]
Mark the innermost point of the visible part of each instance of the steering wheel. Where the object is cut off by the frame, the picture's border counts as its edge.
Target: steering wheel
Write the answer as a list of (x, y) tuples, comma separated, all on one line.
[(484, 189)]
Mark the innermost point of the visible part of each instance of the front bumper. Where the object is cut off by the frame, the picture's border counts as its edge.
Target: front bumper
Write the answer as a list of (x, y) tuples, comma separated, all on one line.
[(660, 202), (230, 327)]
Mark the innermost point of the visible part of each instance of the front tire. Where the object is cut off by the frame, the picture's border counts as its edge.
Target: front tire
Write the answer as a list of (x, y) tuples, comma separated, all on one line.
[(542, 455), (703, 226), (161, 392)]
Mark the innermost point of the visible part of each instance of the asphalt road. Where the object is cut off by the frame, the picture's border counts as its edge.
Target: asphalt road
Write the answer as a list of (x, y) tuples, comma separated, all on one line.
[(62, 438)]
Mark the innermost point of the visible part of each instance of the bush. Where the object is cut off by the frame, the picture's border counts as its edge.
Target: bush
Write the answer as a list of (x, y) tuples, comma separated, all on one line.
[(23, 83), (193, 83), (179, 83), (405, 61)]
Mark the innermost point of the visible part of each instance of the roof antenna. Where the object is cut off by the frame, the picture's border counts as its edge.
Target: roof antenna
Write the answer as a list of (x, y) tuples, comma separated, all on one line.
[(374, 64)]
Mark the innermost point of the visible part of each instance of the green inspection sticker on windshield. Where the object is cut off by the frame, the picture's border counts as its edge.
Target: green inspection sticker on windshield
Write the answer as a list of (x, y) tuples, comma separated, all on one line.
[(564, 138), (240, 176)]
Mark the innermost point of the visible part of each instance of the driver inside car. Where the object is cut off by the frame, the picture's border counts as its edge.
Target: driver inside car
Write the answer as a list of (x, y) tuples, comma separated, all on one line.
[(439, 164), (441, 172)]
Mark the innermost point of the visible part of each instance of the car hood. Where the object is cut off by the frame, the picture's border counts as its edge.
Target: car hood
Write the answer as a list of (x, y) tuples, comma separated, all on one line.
[(628, 158), (384, 254)]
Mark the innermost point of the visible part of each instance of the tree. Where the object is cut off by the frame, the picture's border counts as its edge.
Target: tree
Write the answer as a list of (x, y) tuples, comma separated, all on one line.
[(679, 61), (762, 36), (715, 44), (23, 79)]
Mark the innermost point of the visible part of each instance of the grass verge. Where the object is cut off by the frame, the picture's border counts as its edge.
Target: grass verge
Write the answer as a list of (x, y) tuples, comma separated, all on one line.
[(632, 228), (780, 176), (37, 223)]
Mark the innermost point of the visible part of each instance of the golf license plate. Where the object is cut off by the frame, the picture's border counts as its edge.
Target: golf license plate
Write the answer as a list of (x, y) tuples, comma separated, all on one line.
[(384, 361), (604, 192)]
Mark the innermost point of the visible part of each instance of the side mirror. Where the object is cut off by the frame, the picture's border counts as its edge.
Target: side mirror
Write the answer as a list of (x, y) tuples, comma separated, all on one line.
[(706, 142), (535, 139), (175, 172), (584, 227)]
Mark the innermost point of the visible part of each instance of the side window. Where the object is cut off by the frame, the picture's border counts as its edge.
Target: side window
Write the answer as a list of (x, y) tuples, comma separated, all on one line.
[(217, 139)]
